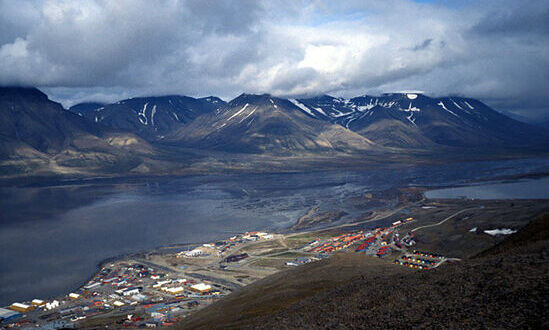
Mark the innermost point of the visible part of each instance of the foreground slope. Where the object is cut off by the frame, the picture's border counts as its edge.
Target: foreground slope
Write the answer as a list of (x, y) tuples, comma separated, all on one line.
[(504, 287), (265, 124)]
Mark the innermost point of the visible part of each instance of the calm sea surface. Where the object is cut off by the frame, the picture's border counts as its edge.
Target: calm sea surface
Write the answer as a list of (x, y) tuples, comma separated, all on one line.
[(523, 189)]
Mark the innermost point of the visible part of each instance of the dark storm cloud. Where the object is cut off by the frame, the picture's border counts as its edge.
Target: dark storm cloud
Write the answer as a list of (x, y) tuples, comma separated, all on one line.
[(103, 50), (523, 18)]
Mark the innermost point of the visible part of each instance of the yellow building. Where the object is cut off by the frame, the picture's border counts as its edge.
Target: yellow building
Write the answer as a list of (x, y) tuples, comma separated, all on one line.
[(23, 308)]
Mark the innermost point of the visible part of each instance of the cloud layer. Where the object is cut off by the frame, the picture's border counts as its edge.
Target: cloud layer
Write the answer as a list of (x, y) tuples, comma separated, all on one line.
[(497, 51)]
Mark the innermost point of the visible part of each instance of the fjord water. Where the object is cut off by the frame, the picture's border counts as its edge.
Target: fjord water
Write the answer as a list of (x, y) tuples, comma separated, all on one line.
[(523, 189), (53, 237)]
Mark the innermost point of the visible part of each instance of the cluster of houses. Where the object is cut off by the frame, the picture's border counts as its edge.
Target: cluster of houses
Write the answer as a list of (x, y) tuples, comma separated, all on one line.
[(420, 260), (220, 247), (121, 286), (339, 242)]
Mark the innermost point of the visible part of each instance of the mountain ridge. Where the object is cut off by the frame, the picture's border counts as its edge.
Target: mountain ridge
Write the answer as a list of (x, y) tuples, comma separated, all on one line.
[(395, 120), (263, 123), (179, 134), (394, 117), (151, 117)]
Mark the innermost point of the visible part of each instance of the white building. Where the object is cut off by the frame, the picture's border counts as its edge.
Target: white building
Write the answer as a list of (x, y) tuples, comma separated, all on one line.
[(52, 305), (161, 283), (128, 291), (193, 253), (176, 290), (201, 287)]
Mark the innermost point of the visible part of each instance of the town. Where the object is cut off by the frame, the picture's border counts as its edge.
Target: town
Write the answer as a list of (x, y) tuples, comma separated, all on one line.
[(159, 290)]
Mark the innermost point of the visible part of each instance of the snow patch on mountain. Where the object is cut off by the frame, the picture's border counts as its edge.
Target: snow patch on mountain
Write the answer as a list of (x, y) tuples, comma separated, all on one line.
[(239, 112), (411, 96), (368, 106), (503, 231), (321, 111), (142, 116), (411, 109), (153, 112), (411, 118), (302, 107), (457, 105), (445, 108), (248, 115)]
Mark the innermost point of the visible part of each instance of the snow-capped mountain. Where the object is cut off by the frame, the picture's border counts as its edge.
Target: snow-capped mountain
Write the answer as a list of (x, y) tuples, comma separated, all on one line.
[(262, 123), (151, 117), (416, 120), (40, 137)]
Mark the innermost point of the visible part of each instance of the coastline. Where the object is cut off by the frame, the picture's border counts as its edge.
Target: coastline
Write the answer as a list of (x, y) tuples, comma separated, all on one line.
[(162, 249), (60, 180), (288, 230), (206, 269)]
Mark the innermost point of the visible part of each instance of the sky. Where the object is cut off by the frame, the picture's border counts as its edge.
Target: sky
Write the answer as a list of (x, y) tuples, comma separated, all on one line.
[(94, 50)]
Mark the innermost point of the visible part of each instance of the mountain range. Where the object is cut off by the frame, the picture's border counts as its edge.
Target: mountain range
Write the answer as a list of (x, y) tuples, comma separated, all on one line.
[(164, 134), (402, 120)]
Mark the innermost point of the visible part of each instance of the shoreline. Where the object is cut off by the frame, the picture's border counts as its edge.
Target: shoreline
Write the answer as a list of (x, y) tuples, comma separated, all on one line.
[(56, 180), (165, 249), (287, 230), (266, 257)]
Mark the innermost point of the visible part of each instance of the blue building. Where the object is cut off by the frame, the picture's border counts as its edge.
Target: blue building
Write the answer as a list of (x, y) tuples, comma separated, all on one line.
[(7, 315)]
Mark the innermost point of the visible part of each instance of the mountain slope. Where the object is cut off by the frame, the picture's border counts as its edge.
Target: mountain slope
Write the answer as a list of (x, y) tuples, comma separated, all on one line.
[(416, 120), (153, 117), (29, 117), (84, 109), (38, 135), (265, 124)]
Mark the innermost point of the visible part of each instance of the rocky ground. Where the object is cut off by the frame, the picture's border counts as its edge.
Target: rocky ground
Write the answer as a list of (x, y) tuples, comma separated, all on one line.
[(504, 287)]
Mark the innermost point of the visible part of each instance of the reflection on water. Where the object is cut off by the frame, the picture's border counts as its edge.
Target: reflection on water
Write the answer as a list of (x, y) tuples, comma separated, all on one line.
[(52, 238)]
